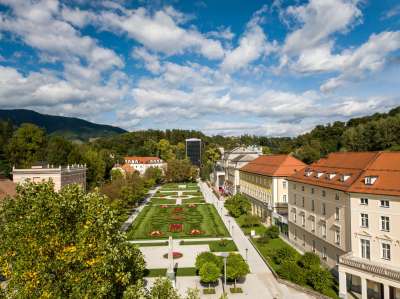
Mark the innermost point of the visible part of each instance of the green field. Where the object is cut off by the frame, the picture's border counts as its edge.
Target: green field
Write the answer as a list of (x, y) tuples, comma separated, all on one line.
[(162, 272), (202, 217), (215, 246)]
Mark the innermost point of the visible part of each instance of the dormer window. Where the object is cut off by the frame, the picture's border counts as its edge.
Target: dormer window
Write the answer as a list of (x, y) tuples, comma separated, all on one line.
[(319, 174), (330, 176), (344, 177), (309, 172), (370, 180)]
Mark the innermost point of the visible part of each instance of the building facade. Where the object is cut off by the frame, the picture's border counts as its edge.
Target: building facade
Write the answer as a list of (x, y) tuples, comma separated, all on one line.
[(194, 151), (263, 181), (141, 164), (344, 209), (60, 176)]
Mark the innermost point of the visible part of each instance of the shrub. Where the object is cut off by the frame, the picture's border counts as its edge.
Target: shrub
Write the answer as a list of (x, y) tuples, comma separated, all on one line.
[(320, 279), (290, 270), (264, 239), (309, 260), (206, 257), (273, 232), (223, 242), (284, 254), (250, 221)]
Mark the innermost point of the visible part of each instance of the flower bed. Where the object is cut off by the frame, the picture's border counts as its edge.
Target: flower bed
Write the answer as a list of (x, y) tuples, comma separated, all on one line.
[(156, 233), (192, 205), (196, 232), (163, 207), (178, 210), (175, 255), (175, 227)]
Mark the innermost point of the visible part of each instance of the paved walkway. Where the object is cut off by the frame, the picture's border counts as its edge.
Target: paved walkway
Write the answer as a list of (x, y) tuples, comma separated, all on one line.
[(246, 249), (137, 210)]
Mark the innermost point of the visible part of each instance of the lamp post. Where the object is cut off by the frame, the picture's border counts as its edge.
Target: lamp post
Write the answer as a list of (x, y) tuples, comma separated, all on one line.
[(224, 255), (229, 225), (246, 254)]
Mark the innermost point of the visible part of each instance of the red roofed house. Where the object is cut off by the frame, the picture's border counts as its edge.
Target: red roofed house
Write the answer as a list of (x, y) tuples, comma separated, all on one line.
[(141, 164), (346, 209), (263, 182)]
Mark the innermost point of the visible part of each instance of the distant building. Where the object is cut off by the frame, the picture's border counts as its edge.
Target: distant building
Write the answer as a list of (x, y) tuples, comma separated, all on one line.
[(61, 176), (194, 151), (264, 182), (346, 209), (141, 164)]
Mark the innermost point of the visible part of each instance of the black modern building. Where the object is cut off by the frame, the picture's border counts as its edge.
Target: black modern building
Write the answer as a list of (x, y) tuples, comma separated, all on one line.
[(193, 151)]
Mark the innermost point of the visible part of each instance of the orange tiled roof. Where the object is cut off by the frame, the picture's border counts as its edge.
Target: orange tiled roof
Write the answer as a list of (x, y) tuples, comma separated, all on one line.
[(274, 165), (142, 160), (127, 168), (350, 170)]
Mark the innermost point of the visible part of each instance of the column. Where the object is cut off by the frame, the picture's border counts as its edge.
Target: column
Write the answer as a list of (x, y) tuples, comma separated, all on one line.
[(342, 285), (364, 288), (386, 291)]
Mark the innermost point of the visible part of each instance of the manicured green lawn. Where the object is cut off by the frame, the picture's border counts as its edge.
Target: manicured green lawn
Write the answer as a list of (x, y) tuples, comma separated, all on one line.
[(202, 217), (163, 272), (161, 201), (215, 246), (259, 229), (149, 244)]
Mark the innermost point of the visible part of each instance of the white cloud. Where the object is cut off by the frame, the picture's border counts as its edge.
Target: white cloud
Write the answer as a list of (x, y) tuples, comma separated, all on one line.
[(161, 31)]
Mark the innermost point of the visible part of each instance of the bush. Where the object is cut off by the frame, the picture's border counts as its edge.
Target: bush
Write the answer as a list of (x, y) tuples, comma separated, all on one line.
[(206, 257), (290, 270), (250, 221), (319, 279), (237, 205), (284, 254), (309, 260), (264, 239), (273, 232)]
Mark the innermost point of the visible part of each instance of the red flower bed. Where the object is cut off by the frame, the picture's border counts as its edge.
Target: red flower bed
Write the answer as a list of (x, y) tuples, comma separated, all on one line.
[(175, 227), (178, 210), (196, 232), (177, 217), (156, 233), (164, 207), (175, 255)]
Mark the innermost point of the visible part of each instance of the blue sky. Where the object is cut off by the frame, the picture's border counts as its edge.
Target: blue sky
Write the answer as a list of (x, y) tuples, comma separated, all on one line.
[(273, 68)]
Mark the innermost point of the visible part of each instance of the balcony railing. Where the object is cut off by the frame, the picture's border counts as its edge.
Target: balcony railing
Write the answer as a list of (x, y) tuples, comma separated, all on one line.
[(371, 267)]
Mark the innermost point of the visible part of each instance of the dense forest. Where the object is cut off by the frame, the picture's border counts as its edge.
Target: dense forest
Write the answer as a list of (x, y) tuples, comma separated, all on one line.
[(23, 145)]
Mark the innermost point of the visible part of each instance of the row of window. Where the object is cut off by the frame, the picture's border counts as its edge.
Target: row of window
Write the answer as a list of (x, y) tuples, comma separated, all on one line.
[(323, 207), (313, 248), (323, 192), (366, 250), (384, 222), (382, 203)]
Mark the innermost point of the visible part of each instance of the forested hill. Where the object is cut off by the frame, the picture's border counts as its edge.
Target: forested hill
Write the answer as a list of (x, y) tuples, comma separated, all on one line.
[(69, 127)]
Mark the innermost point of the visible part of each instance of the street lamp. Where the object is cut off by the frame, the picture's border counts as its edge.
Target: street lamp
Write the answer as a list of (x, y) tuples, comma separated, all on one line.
[(246, 254), (224, 255), (229, 224)]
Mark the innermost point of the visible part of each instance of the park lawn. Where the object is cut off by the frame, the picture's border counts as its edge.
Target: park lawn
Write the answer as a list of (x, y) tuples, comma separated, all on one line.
[(203, 217), (193, 200), (150, 244), (259, 229), (162, 201), (215, 246), (178, 272)]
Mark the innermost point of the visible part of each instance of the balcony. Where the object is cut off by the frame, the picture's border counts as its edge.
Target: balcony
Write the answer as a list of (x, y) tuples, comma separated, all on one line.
[(387, 271)]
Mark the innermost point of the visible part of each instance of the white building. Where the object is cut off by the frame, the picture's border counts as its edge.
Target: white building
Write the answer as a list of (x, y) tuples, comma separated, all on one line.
[(61, 176), (141, 164)]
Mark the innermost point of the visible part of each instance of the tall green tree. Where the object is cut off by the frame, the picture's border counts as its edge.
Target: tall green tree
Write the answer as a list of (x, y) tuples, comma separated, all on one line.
[(64, 245), (180, 171), (163, 289), (236, 267), (27, 146), (209, 273), (58, 150)]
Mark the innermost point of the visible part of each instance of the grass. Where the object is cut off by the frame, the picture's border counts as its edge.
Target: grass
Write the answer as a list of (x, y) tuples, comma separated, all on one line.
[(161, 201), (154, 218), (259, 229), (236, 290), (209, 291), (162, 272), (215, 246), (149, 244)]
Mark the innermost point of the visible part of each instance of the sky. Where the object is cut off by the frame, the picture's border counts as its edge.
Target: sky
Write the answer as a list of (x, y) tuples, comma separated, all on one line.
[(229, 67)]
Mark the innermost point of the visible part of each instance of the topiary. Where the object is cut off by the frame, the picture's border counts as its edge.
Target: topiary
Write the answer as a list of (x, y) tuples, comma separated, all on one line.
[(290, 270), (309, 260)]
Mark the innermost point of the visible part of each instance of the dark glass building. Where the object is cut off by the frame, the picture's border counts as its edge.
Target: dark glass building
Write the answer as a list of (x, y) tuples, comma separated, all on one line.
[(193, 151)]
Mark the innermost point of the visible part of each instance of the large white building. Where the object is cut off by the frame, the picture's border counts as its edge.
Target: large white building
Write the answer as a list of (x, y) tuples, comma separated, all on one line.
[(141, 164), (60, 176)]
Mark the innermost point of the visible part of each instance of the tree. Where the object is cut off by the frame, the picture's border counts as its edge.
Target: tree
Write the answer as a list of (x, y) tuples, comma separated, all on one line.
[(180, 171), (166, 151), (163, 289), (153, 173), (237, 205), (65, 244), (58, 150), (290, 270), (320, 279), (284, 254), (26, 146), (236, 267), (209, 273), (208, 257), (250, 220), (192, 293)]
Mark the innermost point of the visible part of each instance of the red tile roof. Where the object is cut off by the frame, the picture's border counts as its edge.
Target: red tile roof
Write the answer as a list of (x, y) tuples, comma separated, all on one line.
[(274, 165), (385, 166), (142, 160)]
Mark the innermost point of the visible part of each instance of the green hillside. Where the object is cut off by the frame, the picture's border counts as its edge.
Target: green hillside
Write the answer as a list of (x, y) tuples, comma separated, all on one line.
[(69, 127)]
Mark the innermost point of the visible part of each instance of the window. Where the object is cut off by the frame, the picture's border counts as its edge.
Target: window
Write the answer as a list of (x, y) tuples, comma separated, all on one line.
[(364, 220), (295, 234), (386, 251), (303, 220), (284, 184), (337, 213), (313, 246), (337, 196), (337, 259), (302, 204), (312, 190), (323, 193), (294, 186), (323, 209), (337, 237), (365, 249), (304, 240), (385, 224), (313, 225), (384, 204), (324, 253), (323, 230), (295, 199), (370, 180), (284, 198), (364, 201), (312, 205), (302, 188), (294, 216)]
